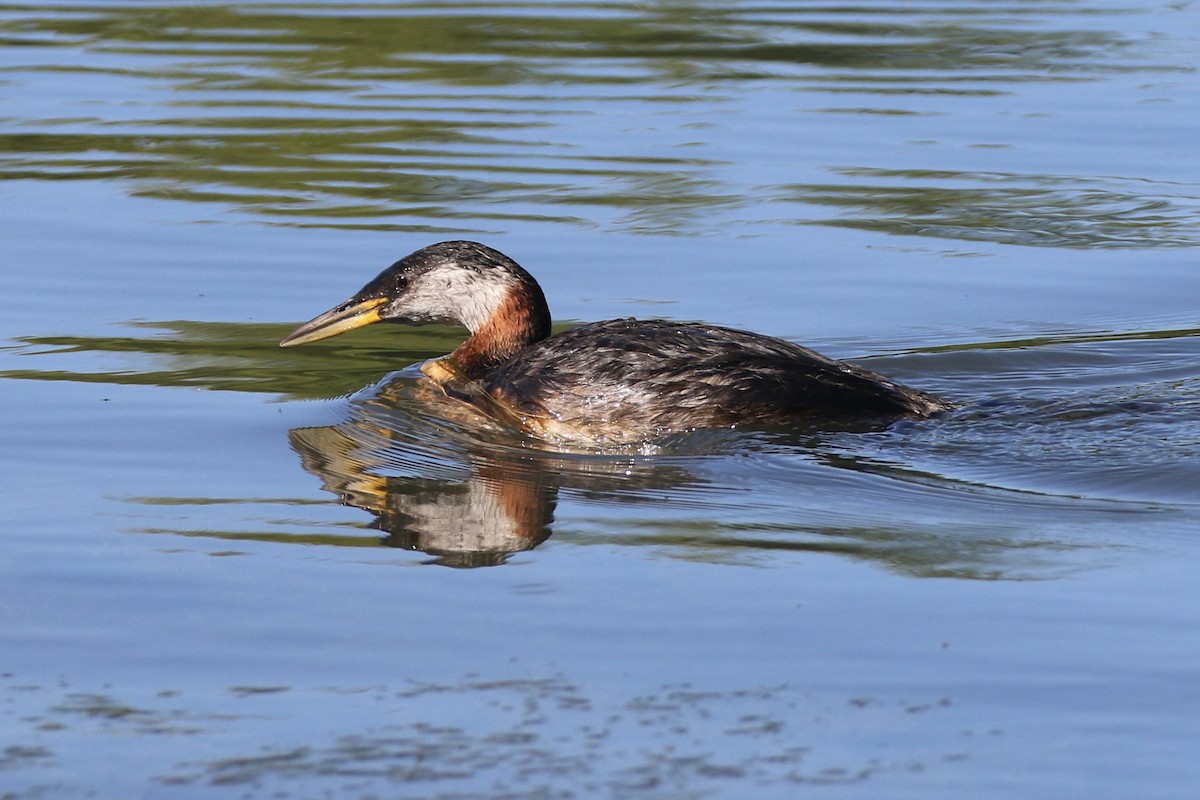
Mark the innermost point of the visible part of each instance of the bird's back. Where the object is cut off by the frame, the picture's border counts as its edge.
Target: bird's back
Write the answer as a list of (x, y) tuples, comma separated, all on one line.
[(627, 380)]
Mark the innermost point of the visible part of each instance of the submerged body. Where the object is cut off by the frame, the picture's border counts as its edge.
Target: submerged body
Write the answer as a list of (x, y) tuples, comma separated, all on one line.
[(614, 382)]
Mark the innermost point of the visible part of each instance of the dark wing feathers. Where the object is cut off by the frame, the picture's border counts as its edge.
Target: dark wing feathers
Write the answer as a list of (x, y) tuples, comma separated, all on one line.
[(643, 370)]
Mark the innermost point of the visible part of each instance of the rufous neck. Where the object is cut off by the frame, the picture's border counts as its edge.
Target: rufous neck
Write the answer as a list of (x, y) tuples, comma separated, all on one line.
[(521, 319)]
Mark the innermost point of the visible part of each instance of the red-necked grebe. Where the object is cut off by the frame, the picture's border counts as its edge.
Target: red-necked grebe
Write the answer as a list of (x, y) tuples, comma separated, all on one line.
[(615, 382)]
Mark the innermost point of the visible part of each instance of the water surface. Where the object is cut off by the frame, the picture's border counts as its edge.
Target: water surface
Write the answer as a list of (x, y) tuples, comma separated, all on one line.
[(233, 570)]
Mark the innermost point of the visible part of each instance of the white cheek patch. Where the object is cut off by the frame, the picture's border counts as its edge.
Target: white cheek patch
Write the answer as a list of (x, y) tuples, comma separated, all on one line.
[(453, 294)]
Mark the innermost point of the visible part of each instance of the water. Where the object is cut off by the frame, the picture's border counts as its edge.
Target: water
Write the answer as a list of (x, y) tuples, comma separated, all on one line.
[(230, 570)]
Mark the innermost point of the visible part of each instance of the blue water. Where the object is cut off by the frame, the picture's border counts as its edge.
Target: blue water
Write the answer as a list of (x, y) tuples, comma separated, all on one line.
[(228, 569)]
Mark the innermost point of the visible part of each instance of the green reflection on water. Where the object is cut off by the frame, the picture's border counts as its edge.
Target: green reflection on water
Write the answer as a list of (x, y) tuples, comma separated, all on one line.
[(237, 357), (334, 540), (1066, 339), (433, 118), (330, 42), (1031, 210)]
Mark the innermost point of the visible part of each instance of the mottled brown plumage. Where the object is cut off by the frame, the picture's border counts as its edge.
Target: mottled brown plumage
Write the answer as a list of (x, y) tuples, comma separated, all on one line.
[(615, 382)]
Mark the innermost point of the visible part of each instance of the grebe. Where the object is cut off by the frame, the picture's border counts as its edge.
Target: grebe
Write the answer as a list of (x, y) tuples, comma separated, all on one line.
[(621, 381)]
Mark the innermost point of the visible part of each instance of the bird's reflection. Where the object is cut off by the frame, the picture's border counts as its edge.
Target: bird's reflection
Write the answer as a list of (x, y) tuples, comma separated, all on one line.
[(467, 499), (473, 522), (440, 480)]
